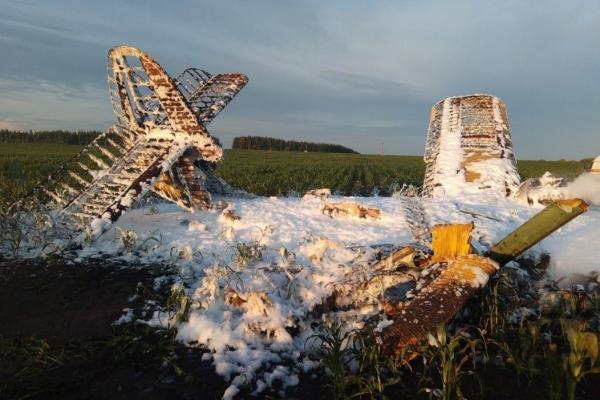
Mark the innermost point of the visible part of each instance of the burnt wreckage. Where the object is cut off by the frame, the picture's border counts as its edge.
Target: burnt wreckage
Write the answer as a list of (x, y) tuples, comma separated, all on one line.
[(159, 142)]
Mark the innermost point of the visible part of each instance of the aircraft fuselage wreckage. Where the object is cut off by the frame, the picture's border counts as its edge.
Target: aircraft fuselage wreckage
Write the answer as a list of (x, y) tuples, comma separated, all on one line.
[(159, 141)]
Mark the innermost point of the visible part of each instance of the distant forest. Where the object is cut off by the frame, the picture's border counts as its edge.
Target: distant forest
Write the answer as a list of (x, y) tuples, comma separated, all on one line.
[(240, 142), (267, 143), (57, 137)]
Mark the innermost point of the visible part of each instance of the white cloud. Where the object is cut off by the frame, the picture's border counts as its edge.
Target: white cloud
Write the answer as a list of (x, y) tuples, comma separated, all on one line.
[(369, 72)]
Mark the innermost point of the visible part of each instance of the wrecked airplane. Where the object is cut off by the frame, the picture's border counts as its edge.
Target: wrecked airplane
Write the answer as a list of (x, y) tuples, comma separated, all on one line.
[(595, 167), (469, 147), (159, 142)]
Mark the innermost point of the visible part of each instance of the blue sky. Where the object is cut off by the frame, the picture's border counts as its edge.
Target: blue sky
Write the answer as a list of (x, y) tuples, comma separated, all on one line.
[(356, 73)]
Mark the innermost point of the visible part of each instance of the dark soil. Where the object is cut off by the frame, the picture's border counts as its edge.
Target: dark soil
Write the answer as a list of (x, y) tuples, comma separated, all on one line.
[(57, 338), (58, 341), (64, 303)]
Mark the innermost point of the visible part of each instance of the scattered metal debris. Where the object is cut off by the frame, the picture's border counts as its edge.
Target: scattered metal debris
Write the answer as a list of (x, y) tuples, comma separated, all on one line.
[(230, 215), (385, 281), (351, 210), (416, 218), (475, 214), (322, 194), (543, 190), (463, 274)]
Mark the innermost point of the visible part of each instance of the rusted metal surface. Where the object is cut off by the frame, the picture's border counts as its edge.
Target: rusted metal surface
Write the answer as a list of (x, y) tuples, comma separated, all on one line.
[(465, 274), (477, 128), (438, 302), (207, 95), (149, 98), (191, 193), (159, 137)]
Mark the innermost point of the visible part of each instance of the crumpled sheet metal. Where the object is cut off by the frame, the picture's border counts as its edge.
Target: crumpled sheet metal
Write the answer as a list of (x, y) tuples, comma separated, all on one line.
[(465, 275), (438, 302), (367, 285)]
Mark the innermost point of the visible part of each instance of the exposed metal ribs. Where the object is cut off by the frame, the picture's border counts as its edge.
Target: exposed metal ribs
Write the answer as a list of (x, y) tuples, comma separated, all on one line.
[(158, 120), (123, 183), (208, 95), (469, 147), (416, 218)]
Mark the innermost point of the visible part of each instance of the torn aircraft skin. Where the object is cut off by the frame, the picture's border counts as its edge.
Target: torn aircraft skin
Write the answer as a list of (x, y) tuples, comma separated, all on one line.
[(464, 274), (269, 271), (469, 147), (159, 142)]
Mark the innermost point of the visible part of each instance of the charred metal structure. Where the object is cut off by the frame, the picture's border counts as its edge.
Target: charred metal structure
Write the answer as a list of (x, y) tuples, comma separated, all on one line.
[(159, 141), (469, 147)]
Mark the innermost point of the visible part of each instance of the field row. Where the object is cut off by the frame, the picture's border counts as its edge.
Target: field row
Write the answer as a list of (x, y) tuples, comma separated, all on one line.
[(266, 173)]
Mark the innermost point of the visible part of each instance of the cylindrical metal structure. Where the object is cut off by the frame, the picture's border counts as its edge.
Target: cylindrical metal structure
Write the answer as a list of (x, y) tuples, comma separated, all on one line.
[(595, 168), (469, 148)]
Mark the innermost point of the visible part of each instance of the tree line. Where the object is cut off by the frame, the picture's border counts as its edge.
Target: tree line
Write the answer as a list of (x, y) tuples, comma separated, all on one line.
[(268, 143), (57, 136)]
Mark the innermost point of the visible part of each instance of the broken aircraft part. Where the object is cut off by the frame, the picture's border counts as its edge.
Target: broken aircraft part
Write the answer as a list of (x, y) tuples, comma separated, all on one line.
[(388, 278), (469, 147), (159, 141), (351, 210), (595, 167), (321, 194), (416, 218), (537, 228), (542, 190), (450, 241), (464, 275), (438, 302)]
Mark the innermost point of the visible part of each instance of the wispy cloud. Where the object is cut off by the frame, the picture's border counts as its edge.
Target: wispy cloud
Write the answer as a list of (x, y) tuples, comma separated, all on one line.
[(40, 104), (347, 71)]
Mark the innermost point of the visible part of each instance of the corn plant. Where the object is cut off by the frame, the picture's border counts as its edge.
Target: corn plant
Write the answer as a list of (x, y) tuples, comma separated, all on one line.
[(336, 352), (376, 370), (128, 239), (12, 232), (449, 358), (554, 372), (523, 349), (25, 226), (582, 358), (178, 304), (245, 253)]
